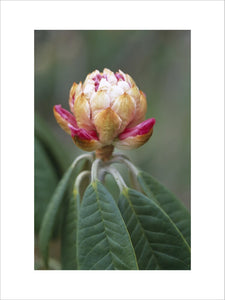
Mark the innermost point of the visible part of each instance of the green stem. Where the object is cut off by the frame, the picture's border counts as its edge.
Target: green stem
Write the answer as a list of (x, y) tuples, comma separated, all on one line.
[(132, 169), (116, 175), (80, 178), (126, 161), (81, 157), (95, 169)]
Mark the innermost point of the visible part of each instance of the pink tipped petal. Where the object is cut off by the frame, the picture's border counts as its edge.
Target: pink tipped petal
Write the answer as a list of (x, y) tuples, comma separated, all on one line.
[(64, 118), (83, 133), (86, 140), (97, 80), (140, 129), (65, 114), (119, 76), (135, 137)]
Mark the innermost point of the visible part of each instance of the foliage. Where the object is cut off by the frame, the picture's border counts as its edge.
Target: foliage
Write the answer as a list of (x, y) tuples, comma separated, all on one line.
[(50, 164), (145, 227), (162, 66)]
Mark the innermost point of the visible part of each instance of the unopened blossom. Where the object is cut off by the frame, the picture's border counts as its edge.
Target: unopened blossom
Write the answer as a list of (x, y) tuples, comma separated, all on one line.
[(107, 109)]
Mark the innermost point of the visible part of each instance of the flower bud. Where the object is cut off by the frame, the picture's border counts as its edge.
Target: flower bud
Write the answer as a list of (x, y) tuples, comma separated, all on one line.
[(108, 109)]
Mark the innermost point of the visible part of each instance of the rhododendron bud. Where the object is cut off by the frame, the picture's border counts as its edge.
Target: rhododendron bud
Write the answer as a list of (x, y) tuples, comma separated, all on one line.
[(107, 110)]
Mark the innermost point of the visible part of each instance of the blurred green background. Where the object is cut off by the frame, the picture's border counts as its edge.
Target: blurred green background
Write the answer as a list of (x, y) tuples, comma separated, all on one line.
[(158, 61)]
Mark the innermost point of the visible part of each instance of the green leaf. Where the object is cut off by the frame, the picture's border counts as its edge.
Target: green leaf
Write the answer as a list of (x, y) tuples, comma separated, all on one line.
[(52, 145), (69, 233), (46, 181), (103, 240), (168, 202), (158, 243), (53, 264), (51, 213), (50, 163)]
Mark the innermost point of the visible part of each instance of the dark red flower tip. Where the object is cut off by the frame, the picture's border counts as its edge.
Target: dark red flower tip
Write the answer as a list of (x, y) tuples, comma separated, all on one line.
[(140, 129), (97, 80), (67, 116), (83, 133), (119, 76)]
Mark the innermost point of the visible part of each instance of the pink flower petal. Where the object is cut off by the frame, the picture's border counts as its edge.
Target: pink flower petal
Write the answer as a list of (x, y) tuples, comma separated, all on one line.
[(135, 137), (83, 133), (87, 140), (119, 76), (97, 80), (65, 115), (140, 129)]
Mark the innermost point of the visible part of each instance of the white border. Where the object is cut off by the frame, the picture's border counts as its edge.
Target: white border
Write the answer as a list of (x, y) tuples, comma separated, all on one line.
[(205, 20)]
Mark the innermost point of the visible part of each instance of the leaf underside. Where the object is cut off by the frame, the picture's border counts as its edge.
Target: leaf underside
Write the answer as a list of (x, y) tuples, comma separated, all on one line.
[(51, 213), (45, 182), (158, 243), (103, 240)]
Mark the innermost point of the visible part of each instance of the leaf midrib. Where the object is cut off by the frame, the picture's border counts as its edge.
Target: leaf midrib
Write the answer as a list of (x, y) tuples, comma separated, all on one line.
[(107, 238), (100, 209)]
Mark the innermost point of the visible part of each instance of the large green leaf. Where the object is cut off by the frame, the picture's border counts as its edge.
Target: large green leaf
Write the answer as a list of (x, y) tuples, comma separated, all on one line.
[(158, 243), (50, 163), (168, 202), (51, 213), (69, 233), (46, 181), (103, 240)]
